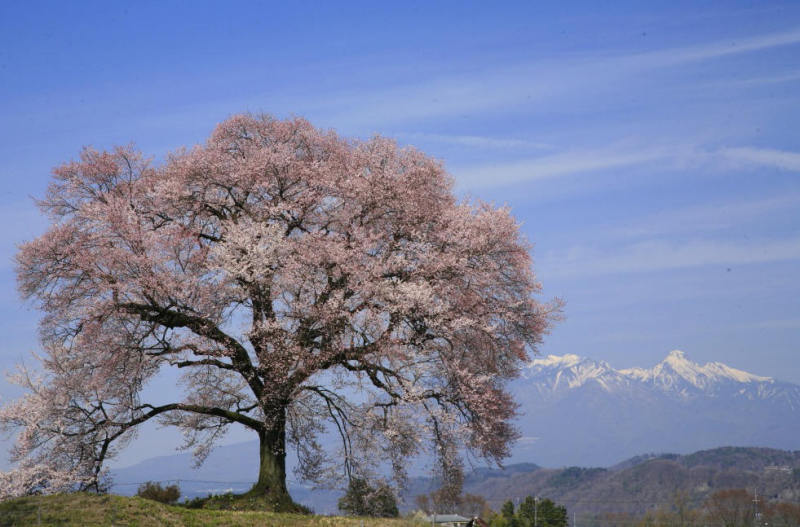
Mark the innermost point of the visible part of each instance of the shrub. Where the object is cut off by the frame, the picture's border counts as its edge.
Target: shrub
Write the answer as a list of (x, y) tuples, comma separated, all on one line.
[(361, 499), (194, 503), (154, 491)]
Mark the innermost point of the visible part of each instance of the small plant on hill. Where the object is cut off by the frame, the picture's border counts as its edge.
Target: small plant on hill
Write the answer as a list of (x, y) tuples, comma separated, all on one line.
[(194, 503), (469, 505), (361, 499), (154, 491)]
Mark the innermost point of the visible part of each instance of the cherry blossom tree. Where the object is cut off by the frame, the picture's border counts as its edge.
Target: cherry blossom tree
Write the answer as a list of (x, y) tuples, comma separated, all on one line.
[(300, 281)]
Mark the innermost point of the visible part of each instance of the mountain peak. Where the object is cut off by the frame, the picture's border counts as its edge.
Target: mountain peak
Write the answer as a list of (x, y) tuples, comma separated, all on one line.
[(677, 356), (678, 363), (701, 376)]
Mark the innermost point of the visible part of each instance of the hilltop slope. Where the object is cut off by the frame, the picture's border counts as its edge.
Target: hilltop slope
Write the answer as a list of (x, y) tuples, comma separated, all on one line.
[(84, 510)]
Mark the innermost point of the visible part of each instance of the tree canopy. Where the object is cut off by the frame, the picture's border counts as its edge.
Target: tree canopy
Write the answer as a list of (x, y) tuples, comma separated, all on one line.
[(299, 280)]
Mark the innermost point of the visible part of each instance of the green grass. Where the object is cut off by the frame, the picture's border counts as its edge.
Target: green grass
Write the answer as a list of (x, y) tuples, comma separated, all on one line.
[(83, 509)]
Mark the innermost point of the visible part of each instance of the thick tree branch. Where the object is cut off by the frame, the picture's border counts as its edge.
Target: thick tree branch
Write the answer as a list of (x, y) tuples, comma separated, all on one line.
[(203, 362), (198, 409)]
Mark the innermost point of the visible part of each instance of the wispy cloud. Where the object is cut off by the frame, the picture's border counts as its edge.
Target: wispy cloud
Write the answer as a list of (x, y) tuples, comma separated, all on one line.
[(553, 166), (767, 79), (781, 323), (723, 48), (468, 93), (591, 160), (478, 141), (780, 159), (704, 218), (662, 255), (525, 84)]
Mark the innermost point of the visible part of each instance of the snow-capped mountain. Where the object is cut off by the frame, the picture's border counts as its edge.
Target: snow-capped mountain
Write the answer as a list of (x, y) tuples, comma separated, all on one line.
[(677, 369), (585, 412), (675, 376)]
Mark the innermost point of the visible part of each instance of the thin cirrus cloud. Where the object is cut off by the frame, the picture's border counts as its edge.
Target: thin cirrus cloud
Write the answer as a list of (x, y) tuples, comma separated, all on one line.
[(476, 141), (722, 48), (704, 218), (553, 166), (779, 159), (766, 79), (577, 162), (470, 94), (659, 255), (528, 83), (780, 323)]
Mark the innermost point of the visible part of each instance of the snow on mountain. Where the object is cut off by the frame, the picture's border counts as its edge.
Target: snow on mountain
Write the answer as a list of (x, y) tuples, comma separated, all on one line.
[(676, 374), (558, 373), (577, 410), (677, 368)]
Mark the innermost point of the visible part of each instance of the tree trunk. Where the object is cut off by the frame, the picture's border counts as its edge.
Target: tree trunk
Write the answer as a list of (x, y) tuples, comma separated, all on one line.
[(271, 483)]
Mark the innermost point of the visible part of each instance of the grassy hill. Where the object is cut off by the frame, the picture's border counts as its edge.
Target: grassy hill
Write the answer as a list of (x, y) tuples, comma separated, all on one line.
[(82, 509)]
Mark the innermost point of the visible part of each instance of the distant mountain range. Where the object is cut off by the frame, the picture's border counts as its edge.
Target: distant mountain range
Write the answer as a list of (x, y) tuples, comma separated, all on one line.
[(580, 411)]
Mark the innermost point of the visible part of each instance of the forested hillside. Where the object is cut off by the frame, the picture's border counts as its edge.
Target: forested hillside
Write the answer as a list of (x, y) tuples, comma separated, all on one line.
[(641, 483)]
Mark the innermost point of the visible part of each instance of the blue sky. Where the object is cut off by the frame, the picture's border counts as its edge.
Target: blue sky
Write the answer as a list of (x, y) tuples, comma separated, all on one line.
[(649, 149)]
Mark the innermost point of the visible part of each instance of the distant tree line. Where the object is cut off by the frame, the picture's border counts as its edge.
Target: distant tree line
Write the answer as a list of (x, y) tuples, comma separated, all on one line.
[(532, 512), (723, 508), (152, 490)]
